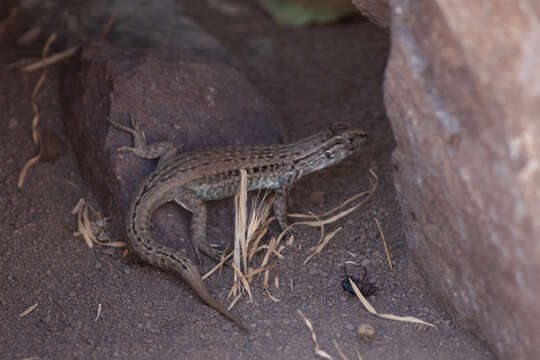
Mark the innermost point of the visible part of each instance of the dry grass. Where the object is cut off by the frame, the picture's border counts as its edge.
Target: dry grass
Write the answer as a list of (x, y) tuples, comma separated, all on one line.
[(247, 236), (322, 244), (92, 231), (35, 120), (98, 312), (384, 244), (329, 217), (339, 350), (358, 356), (251, 228), (371, 310), (28, 310), (51, 60), (320, 352)]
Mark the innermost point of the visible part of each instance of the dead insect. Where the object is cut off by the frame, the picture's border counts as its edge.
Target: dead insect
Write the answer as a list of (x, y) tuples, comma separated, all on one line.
[(366, 287)]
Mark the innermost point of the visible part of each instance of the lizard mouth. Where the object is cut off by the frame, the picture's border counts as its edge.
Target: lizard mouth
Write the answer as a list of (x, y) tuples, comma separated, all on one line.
[(360, 134)]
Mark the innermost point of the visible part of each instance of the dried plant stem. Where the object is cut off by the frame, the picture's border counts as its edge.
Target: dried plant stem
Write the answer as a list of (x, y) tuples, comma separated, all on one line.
[(28, 311), (317, 349), (384, 243), (51, 60), (35, 120), (371, 310)]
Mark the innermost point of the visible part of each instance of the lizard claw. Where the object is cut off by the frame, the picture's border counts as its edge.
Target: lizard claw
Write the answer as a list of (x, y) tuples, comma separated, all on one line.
[(213, 253)]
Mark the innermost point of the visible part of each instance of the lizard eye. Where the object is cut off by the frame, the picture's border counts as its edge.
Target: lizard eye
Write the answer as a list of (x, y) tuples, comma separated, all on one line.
[(328, 154)]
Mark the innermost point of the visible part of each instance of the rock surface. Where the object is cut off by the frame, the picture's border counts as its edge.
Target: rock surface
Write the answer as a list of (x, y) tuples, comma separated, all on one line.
[(193, 103), (462, 93), (377, 11)]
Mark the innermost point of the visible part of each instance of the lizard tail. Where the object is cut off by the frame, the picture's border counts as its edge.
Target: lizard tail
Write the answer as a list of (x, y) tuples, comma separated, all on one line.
[(193, 277)]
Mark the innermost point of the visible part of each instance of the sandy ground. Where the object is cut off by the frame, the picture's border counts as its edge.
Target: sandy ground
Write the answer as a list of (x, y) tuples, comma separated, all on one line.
[(314, 77)]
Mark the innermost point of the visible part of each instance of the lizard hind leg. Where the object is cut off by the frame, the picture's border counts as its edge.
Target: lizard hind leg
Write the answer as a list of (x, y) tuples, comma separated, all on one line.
[(280, 206), (187, 199)]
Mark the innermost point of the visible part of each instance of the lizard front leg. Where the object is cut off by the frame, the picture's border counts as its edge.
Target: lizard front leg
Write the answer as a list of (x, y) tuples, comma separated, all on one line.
[(162, 150), (183, 197), (280, 206)]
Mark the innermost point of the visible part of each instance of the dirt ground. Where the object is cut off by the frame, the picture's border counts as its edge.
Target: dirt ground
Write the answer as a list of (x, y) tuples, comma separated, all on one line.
[(314, 76)]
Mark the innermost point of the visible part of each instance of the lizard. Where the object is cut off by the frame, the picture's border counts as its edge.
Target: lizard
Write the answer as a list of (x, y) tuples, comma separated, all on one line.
[(191, 178)]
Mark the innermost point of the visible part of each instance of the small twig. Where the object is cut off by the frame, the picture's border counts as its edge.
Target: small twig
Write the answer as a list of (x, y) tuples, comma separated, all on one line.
[(372, 310), (384, 243), (242, 279), (35, 119), (317, 349), (51, 60), (25, 168), (272, 297), (28, 311), (240, 204), (218, 266), (339, 350), (358, 356), (317, 249), (98, 312)]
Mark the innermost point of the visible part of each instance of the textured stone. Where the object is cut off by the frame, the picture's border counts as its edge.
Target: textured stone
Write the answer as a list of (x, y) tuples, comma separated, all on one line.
[(193, 103), (462, 91), (160, 27), (377, 11)]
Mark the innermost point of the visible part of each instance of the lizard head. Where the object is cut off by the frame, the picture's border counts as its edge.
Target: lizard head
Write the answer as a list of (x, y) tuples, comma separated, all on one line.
[(342, 141), (332, 146)]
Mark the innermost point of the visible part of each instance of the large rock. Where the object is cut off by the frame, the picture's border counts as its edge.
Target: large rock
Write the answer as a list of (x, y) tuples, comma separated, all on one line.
[(193, 102), (462, 91)]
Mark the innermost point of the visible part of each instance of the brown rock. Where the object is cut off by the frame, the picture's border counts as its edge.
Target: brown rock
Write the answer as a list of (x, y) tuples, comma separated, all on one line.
[(377, 11), (193, 103), (463, 95)]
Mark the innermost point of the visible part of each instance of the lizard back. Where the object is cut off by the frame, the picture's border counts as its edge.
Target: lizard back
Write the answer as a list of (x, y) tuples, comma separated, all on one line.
[(215, 173)]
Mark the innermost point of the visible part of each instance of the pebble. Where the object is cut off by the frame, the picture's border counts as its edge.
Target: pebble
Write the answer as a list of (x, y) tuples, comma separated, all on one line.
[(366, 332)]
